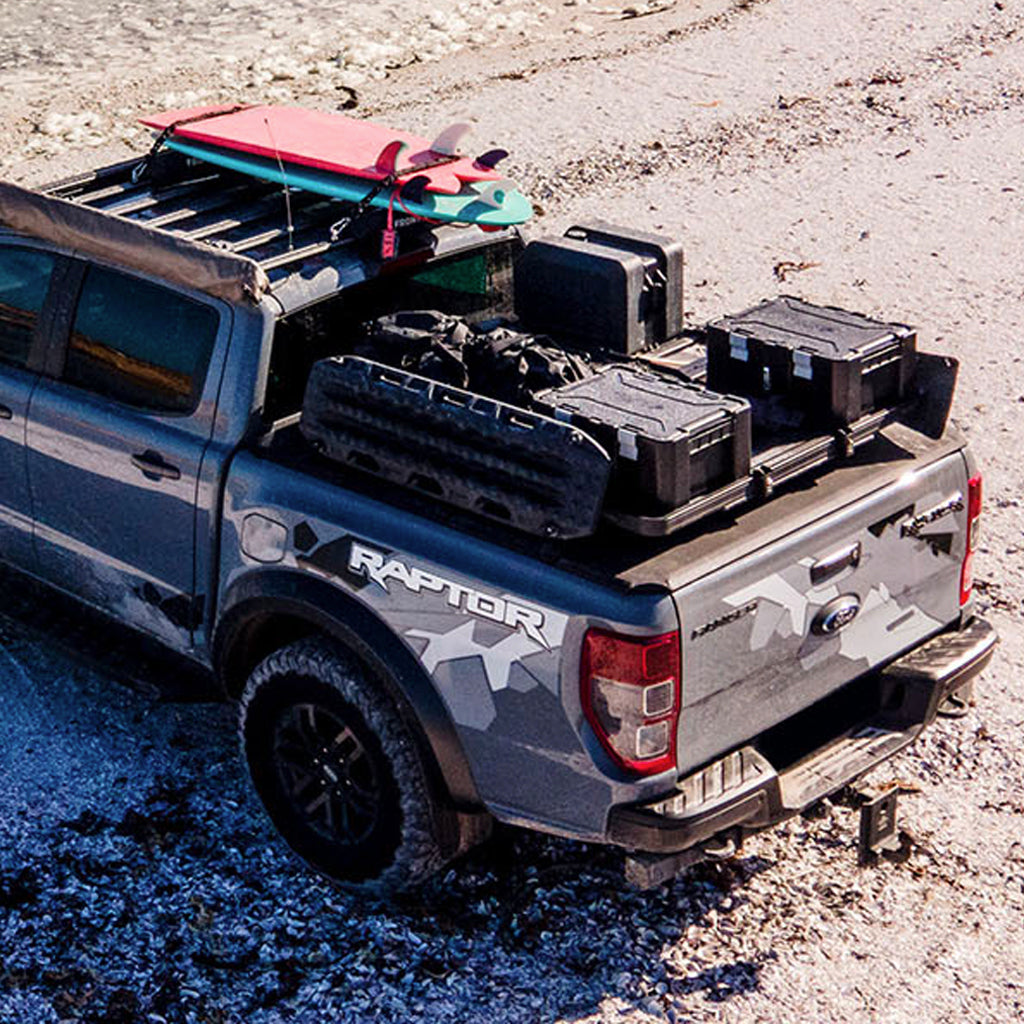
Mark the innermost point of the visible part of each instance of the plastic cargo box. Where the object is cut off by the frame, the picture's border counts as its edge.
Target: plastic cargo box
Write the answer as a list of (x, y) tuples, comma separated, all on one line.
[(602, 288), (835, 365), (672, 440), (664, 287)]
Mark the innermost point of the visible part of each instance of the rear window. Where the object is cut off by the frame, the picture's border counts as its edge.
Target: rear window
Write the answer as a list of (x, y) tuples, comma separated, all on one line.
[(473, 286), (140, 343), (24, 281)]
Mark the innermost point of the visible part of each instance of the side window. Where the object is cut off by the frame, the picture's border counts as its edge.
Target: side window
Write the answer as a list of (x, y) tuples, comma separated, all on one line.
[(24, 280), (140, 343)]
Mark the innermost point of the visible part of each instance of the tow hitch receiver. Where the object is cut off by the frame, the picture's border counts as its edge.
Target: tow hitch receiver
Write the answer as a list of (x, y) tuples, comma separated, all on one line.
[(648, 870), (878, 830)]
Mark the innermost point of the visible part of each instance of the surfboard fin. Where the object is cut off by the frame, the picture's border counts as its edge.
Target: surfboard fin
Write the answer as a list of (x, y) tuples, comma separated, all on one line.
[(387, 160), (490, 159), (413, 189), (495, 192), (447, 143)]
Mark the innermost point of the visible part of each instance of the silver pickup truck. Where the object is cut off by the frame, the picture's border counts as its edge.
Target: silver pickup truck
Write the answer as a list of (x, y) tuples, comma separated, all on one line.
[(409, 666)]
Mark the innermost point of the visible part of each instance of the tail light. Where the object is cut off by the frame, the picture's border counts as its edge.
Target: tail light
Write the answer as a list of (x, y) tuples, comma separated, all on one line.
[(973, 532), (630, 687)]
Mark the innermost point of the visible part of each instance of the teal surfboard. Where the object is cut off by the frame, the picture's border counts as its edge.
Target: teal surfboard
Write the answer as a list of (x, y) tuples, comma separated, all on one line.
[(488, 204)]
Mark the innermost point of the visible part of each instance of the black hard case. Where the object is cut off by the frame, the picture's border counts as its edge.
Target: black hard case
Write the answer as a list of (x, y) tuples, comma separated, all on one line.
[(671, 439), (602, 288), (835, 365), (664, 318)]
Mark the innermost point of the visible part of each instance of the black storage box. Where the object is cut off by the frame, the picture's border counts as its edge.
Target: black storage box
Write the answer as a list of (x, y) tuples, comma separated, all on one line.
[(834, 365), (602, 288), (671, 439), (664, 285)]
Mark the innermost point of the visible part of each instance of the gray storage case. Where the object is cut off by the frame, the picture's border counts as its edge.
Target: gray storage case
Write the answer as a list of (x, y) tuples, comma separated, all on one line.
[(671, 440)]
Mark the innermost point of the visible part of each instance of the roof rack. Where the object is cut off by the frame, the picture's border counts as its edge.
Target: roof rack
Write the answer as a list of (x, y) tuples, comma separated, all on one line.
[(221, 232), (221, 208)]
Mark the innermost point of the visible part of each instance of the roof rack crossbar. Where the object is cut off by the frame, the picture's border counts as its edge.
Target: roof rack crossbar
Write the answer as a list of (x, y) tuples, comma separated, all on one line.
[(300, 253), (257, 211), (93, 196), (122, 190), (304, 220), (68, 188), (151, 198), (211, 202)]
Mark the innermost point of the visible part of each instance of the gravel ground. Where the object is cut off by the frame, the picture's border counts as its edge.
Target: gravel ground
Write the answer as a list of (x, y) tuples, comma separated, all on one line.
[(861, 153)]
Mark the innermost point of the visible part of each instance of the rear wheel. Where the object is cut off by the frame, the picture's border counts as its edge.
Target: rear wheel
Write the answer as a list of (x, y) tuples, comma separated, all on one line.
[(337, 770)]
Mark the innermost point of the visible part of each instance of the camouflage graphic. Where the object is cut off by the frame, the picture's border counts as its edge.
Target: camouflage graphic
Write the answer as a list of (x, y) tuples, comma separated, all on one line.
[(786, 603), (474, 643)]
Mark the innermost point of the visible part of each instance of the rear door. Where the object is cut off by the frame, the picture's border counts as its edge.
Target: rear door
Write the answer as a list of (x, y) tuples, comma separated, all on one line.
[(25, 276), (117, 432)]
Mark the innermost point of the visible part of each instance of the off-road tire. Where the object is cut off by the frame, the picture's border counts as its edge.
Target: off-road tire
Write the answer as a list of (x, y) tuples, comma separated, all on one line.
[(377, 826)]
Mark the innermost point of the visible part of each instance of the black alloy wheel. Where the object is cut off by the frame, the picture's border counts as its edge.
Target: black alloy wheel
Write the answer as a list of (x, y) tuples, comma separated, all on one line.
[(338, 770), (326, 773)]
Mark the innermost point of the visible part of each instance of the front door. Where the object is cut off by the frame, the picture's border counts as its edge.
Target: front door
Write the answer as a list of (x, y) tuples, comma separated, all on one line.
[(115, 444)]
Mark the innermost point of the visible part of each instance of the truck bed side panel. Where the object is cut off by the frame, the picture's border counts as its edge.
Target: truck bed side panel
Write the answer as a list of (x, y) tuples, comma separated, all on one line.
[(498, 632)]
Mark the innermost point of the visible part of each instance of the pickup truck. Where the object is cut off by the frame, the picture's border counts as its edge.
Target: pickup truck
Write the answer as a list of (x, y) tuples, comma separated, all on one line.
[(409, 671)]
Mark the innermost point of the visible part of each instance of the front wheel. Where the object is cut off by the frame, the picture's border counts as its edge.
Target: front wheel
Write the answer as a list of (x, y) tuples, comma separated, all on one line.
[(338, 772)]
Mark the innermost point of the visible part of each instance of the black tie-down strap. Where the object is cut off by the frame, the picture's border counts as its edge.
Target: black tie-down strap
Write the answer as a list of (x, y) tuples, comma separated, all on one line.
[(143, 165), (339, 228)]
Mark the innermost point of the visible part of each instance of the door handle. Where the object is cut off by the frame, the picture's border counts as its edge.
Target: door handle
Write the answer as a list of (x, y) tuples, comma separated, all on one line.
[(153, 466), (6, 413), (833, 564)]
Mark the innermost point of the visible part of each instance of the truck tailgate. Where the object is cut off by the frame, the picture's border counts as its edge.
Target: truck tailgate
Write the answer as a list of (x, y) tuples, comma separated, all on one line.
[(781, 626)]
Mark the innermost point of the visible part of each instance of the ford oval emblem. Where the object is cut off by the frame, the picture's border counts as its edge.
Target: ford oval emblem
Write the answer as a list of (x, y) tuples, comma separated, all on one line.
[(839, 612)]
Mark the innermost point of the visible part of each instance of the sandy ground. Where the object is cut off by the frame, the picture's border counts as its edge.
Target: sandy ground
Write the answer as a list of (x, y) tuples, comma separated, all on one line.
[(876, 145)]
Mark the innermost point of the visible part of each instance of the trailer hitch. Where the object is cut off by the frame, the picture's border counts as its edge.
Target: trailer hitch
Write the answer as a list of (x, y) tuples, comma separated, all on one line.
[(878, 829)]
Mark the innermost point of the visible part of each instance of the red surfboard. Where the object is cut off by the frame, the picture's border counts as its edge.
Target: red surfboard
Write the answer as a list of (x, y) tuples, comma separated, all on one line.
[(332, 142)]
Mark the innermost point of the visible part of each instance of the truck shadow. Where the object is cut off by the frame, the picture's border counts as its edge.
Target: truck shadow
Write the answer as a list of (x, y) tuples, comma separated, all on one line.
[(139, 877), (563, 908)]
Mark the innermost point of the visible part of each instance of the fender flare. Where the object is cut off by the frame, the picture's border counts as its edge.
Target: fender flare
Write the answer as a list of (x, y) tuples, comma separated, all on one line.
[(288, 593)]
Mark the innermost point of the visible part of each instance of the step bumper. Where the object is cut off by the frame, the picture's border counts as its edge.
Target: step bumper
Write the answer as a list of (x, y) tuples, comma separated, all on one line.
[(743, 791)]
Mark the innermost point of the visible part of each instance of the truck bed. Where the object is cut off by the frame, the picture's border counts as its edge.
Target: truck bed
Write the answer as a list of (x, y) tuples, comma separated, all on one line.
[(622, 559), (736, 586), (703, 547)]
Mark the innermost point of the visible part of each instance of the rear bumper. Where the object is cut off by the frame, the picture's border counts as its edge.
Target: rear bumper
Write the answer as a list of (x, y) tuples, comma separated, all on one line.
[(743, 791)]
